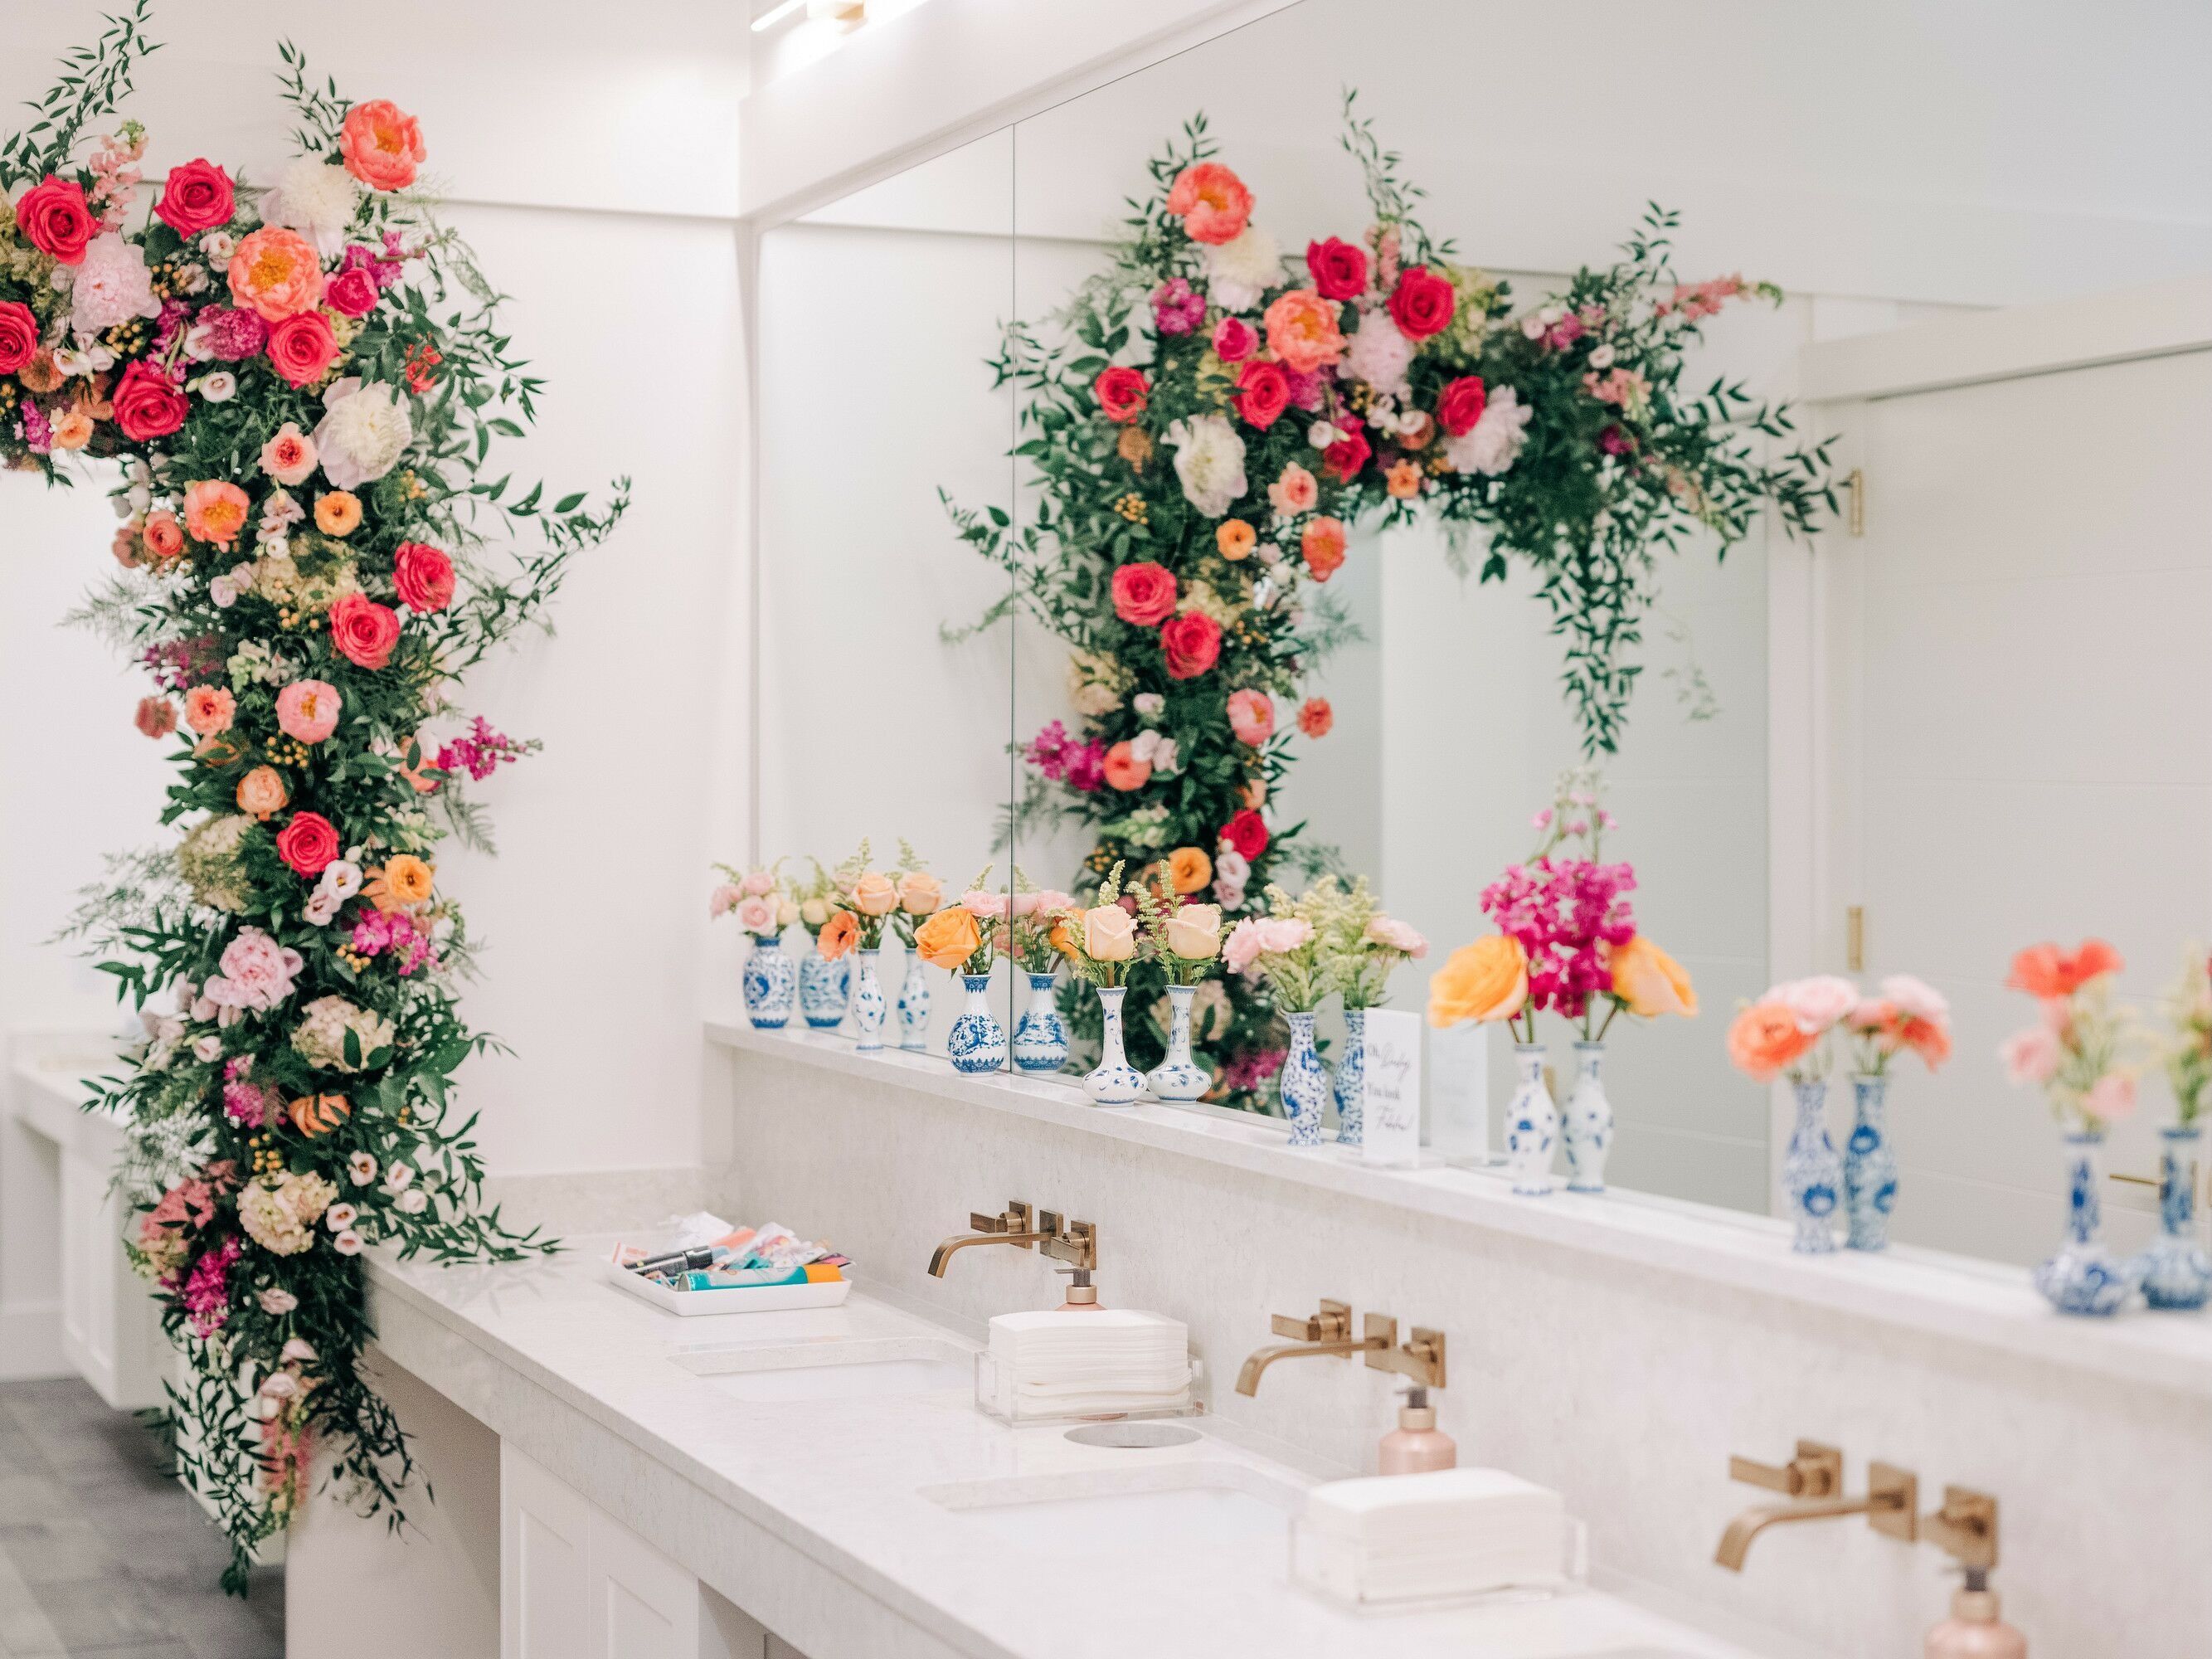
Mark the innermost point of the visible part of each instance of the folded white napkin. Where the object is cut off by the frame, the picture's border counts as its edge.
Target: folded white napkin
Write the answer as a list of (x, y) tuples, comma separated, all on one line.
[(1445, 1533), (1088, 1363)]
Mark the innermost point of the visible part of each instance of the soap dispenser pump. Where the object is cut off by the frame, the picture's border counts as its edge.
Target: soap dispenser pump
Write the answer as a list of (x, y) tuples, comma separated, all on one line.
[(1082, 1295), (1417, 1445), (1974, 1630)]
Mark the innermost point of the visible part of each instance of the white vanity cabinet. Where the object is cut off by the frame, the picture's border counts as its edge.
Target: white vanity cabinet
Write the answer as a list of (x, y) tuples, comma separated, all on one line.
[(576, 1584)]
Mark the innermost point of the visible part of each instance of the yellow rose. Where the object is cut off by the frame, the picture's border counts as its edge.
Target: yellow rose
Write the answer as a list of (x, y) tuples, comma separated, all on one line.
[(1189, 869), (875, 895), (1651, 982), (1194, 931), (1486, 981), (786, 913), (814, 912), (920, 893), (948, 939), (1108, 934)]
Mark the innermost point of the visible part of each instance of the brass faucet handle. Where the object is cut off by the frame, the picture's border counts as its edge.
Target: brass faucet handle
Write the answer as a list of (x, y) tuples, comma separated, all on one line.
[(1817, 1471), (1333, 1323), (1966, 1527), (1421, 1357), (1015, 1220), (980, 1222), (1893, 1502), (1073, 1242)]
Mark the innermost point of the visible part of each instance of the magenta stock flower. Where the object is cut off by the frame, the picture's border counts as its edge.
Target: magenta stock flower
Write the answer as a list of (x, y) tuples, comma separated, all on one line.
[(1177, 309), (206, 1294), (1564, 912)]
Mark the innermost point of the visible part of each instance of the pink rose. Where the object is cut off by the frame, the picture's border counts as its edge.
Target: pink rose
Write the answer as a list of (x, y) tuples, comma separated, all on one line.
[(1251, 716), (1243, 946), (1817, 1003), (303, 346), (382, 144), (1280, 935), (424, 576), (2030, 1056), (724, 899), (756, 913), (756, 882), (352, 292), (986, 907), (147, 404), (309, 843), (19, 336), (195, 197), (55, 215), (307, 710), (1393, 934), (365, 631), (1915, 997)]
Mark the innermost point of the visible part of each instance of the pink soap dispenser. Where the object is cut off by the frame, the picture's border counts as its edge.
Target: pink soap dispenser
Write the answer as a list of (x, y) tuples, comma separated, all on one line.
[(1417, 1445), (1082, 1294), (1974, 1630)]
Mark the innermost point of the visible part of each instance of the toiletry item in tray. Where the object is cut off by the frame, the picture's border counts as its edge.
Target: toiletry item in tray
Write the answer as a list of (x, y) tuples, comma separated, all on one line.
[(717, 1268)]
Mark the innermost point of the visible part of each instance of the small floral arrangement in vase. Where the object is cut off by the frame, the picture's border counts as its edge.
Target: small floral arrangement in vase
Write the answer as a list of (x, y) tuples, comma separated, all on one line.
[(1784, 1034), (1184, 938), (1040, 1041), (965, 939), (2082, 1052), (825, 983), (1362, 948), (1284, 947), (1100, 941), (865, 899), (756, 897), (1904, 1016), (921, 896), (2177, 1274)]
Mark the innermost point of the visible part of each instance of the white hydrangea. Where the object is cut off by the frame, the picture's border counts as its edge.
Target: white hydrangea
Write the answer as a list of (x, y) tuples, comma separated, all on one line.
[(318, 201), (363, 434), (279, 1213), (320, 1037), (1210, 462), (1239, 270), (112, 285)]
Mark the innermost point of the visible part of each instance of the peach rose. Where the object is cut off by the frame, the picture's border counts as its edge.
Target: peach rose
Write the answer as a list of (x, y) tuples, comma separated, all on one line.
[(290, 457), (1124, 771), (1766, 1039), (209, 709), (1194, 931), (1189, 869), (920, 893), (337, 513), (875, 894), (1650, 982), (275, 274), (262, 794), (164, 535), (1486, 981), (1108, 934), (1302, 331), (307, 710), (1251, 716), (382, 144), (948, 939), (1235, 539), (72, 429), (1297, 491), (1403, 480), (214, 512)]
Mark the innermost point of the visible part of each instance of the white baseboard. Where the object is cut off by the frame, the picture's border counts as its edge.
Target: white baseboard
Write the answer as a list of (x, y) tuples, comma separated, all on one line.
[(31, 1341)]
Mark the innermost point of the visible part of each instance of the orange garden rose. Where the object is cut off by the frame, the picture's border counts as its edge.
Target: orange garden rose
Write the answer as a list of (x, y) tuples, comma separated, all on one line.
[(275, 274), (1302, 331), (1650, 981), (72, 429), (1235, 540), (1189, 869), (214, 512), (163, 537), (1483, 982), (1766, 1039), (948, 939), (262, 794), (405, 880), (838, 935), (337, 513)]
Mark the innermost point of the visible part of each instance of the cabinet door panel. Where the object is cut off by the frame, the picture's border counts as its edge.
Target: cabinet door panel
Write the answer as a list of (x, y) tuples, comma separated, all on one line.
[(544, 1555)]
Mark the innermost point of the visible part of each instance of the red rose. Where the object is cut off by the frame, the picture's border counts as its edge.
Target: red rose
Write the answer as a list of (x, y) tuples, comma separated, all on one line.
[(308, 842), (303, 346), (1343, 459), (19, 336), (195, 197), (353, 292), (1192, 643), (424, 577), (147, 404), (1122, 392), (1248, 833), (1144, 594), (1263, 392), (1422, 303), (1460, 406), (56, 217), (1339, 270), (365, 631)]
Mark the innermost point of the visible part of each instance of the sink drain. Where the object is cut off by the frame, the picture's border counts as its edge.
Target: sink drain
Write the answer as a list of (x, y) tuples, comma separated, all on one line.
[(1131, 1436)]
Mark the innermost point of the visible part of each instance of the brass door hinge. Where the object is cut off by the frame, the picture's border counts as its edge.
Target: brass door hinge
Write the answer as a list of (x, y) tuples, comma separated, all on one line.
[(1854, 938), (1855, 510)]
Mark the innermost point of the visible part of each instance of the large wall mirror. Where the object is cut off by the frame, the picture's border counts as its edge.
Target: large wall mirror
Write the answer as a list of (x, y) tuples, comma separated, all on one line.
[(1815, 729)]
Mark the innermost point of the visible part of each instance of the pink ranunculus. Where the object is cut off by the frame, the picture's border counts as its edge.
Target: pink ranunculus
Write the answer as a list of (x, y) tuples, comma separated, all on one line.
[(986, 907), (2111, 1098), (1252, 716), (1243, 946), (756, 913), (724, 899), (289, 456), (1396, 935), (756, 882), (1818, 1002), (2030, 1056), (1280, 935), (307, 710)]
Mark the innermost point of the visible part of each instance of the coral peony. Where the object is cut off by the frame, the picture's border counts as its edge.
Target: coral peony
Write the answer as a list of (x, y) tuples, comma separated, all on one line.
[(1302, 331), (275, 274), (1322, 546), (1483, 982), (307, 710), (382, 144), (215, 511), (1252, 716), (1212, 202), (1191, 643), (1144, 594), (364, 631)]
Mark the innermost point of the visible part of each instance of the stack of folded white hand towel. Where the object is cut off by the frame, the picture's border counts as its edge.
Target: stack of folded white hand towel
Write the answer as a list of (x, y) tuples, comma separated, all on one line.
[(1088, 1364), (1449, 1532)]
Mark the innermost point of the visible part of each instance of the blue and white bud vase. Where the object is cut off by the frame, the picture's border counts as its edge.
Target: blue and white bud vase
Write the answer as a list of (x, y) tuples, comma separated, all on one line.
[(1588, 1121), (1178, 1077), (1041, 1037), (1113, 1082), (868, 1005), (2177, 1274), (2085, 1276), (1304, 1084), (977, 1043), (1812, 1174), (824, 988), (913, 1006), (1869, 1166), (1532, 1124), (770, 984), (1349, 1087)]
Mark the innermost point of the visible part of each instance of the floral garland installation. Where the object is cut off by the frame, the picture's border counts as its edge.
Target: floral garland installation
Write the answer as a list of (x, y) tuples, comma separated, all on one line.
[(1208, 422), (302, 415)]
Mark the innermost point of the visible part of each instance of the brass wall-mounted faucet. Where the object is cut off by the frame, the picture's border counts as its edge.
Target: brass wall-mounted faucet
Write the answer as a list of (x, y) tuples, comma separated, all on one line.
[(1075, 1242), (1328, 1333), (1814, 1478)]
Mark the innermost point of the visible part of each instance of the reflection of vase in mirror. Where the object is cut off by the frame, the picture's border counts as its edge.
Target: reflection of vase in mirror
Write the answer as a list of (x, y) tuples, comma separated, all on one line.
[(1113, 1081), (977, 1043), (913, 1006), (1812, 1174), (1532, 1123), (1041, 1037), (1303, 1082), (2085, 1276), (868, 1005), (770, 983), (824, 988), (2177, 1273), (1349, 1087), (1869, 1166), (1178, 1077), (1588, 1125)]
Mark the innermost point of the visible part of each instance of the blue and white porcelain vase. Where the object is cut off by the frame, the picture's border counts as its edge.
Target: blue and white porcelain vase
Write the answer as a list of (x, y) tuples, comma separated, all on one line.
[(1869, 1166), (1303, 1082), (913, 1006), (977, 1043), (868, 1005), (1349, 1087), (771, 984), (1040, 1036), (1532, 1123), (824, 988), (1178, 1077), (2085, 1276), (1588, 1121), (1113, 1081), (2177, 1274), (1812, 1174)]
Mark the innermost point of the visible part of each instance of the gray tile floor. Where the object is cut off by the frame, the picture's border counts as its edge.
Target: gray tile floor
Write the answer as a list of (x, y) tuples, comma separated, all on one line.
[(102, 1554)]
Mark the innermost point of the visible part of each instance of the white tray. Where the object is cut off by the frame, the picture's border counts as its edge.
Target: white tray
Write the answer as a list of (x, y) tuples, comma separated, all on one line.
[(761, 1298)]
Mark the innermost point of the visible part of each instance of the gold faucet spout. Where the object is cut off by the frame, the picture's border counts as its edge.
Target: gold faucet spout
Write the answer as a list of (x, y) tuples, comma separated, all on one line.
[(1735, 1542), (943, 1253)]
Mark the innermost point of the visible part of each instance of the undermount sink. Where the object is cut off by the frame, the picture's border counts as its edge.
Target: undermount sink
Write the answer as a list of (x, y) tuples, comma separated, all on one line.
[(1221, 1513), (867, 1369)]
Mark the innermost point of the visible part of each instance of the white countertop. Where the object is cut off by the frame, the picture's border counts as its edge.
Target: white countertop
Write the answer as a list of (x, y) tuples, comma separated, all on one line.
[(843, 1482)]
